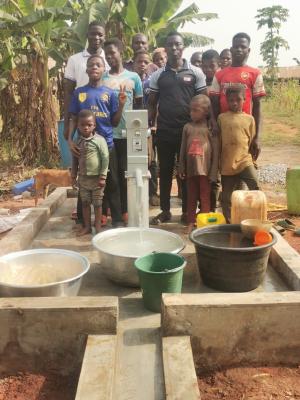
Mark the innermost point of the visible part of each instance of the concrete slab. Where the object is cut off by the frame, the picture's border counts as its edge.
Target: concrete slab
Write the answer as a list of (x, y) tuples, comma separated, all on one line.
[(286, 261), (21, 236), (47, 331), (96, 381), (244, 328), (139, 367), (139, 371), (179, 370)]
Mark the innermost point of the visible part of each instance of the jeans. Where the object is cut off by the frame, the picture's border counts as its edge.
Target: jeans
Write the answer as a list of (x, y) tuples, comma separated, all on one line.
[(112, 191), (168, 152), (121, 152)]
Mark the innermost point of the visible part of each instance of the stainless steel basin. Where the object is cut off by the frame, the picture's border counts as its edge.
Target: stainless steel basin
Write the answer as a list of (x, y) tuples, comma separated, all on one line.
[(119, 248), (68, 266)]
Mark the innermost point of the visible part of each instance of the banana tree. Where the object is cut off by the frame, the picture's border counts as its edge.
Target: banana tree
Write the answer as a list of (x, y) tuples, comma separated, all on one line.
[(158, 18), (30, 30), (154, 17)]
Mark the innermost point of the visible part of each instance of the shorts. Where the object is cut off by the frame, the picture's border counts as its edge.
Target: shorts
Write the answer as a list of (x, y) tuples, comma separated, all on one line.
[(90, 191)]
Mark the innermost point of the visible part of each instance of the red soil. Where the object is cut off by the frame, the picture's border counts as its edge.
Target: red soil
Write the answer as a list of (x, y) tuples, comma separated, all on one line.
[(267, 383), (44, 386)]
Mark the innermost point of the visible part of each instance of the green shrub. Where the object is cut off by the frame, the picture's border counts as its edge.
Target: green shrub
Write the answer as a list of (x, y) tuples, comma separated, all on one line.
[(283, 97)]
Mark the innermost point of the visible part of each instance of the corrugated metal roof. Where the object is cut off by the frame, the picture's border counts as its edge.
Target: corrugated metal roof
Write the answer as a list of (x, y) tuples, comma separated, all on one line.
[(287, 72)]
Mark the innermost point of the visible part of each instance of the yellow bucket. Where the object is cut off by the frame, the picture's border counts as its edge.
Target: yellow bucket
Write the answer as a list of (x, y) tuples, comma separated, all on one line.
[(212, 218)]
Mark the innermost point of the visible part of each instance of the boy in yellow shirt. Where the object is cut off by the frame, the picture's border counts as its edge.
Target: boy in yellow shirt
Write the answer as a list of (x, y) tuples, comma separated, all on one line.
[(237, 132)]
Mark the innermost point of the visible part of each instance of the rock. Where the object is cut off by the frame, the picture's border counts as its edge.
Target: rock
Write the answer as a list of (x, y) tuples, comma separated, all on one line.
[(26, 195), (18, 197), (4, 211)]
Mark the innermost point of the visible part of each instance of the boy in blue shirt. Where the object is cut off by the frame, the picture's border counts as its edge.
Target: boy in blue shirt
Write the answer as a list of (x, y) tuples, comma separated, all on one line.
[(108, 108)]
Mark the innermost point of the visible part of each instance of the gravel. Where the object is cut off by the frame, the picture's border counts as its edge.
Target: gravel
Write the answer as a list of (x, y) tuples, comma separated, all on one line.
[(272, 173)]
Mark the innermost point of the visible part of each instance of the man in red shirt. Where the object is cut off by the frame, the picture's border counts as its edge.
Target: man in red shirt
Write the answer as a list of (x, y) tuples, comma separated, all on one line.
[(240, 73)]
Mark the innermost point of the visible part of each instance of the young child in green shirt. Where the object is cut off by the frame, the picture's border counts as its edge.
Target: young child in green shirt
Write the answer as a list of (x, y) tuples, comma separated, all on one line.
[(91, 168)]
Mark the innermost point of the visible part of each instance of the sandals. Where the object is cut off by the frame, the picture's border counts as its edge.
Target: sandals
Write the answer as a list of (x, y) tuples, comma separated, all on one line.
[(74, 214), (164, 216)]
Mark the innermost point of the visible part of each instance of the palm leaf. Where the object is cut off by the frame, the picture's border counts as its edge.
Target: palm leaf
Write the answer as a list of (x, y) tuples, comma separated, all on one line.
[(194, 40), (7, 17), (191, 14), (44, 14), (55, 3), (26, 6), (96, 12), (155, 10), (131, 15)]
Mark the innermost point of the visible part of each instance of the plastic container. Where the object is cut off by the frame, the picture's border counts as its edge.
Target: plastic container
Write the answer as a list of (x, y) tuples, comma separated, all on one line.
[(293, 190), (65, 154), (159, 273), (212, 218), (262, 237), (19, 188), (228, 261), (248, 204)]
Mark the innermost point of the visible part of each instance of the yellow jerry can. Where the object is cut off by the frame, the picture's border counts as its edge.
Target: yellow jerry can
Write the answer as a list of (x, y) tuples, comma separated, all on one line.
[(212, 218)]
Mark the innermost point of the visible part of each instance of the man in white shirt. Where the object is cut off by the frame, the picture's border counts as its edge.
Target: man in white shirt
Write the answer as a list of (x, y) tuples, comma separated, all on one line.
[(75, 72)]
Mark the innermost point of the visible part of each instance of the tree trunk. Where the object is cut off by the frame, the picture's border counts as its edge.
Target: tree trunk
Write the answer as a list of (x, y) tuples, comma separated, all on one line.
[(30, 117)]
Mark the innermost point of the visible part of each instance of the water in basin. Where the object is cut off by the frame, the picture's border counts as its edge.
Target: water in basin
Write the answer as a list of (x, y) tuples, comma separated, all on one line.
[(138, 243), (224, 239)]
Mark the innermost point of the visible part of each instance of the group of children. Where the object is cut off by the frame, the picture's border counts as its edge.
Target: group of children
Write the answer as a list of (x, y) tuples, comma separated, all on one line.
[(203, 156), (100, 154)]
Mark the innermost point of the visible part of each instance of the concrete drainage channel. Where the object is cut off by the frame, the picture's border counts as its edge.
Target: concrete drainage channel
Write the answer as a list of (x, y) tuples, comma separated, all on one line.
[(136, 363), (72, 338)]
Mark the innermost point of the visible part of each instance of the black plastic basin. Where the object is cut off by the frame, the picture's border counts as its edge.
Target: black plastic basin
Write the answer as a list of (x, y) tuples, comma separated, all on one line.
[(228, 261)]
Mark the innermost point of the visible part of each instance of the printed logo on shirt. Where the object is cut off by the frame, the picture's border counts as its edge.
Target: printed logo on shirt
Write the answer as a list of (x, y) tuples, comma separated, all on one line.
[(104, 97), (195, 148), (187, 78), (82, 97), (245, 75)]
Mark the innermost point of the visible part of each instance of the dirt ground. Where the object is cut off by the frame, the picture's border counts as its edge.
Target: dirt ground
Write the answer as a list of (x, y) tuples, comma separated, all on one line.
[(45, 386), (279, 154), (266, 383)]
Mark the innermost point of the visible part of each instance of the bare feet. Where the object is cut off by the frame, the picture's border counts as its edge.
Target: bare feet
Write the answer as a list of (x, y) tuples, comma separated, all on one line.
[(77, 227), (84, 231), (98, 226)]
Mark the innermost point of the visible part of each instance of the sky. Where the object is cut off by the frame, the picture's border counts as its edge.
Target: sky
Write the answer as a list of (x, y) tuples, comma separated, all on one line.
[(239, 16)]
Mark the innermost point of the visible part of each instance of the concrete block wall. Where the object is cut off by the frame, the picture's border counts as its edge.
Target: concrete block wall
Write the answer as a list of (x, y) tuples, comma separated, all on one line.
[(21, 236), (49, 331), (286, 261), (229, 329)]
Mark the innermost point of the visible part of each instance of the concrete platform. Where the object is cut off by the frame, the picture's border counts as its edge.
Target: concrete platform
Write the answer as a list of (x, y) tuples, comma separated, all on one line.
[(139, 368), (97, 375), (181, 382)]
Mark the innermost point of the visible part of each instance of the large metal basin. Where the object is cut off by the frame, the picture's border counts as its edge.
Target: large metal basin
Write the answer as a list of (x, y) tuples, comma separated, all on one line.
[(119, 248), (68, 267)]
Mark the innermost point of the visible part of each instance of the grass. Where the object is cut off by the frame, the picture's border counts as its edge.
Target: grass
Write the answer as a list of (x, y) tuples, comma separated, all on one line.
[(281, 115)]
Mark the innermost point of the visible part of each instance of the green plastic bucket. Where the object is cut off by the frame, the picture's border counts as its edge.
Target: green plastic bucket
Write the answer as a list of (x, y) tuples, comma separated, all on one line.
[(159, 273), (293, 190)]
